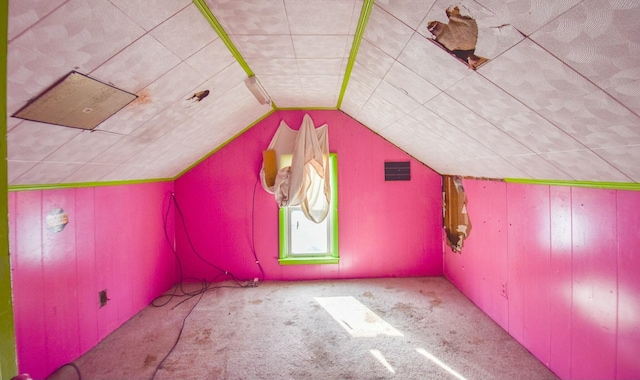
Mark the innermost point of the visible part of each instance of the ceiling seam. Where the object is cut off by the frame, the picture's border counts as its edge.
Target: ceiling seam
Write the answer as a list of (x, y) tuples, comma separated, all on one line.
[(367, 5), (215, 24)]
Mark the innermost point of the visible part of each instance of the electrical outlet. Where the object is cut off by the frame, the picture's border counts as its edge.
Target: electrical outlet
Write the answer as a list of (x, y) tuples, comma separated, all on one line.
[(102, 295)]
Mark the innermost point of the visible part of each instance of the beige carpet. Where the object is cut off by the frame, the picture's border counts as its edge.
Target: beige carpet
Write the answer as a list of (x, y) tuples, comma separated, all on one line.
[(409, 328)]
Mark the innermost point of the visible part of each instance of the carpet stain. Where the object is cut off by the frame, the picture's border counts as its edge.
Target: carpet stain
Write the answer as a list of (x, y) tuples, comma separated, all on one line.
[(368, 294), (150, 360), (436, 301), (289, 323), (476, 341), (203, 337), (255, 302), (405, 308)]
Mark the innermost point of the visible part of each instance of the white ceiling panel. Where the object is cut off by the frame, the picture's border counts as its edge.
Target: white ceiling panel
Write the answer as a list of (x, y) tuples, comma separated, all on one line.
[(150, 13), (171, 32), (32, 141), (528, 15), (559, 98), (387, 32), (475, 126), (585, 165)]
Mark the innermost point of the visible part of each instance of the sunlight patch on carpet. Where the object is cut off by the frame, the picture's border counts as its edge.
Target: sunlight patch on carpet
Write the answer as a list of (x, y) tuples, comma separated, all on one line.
[(356, 318), (440, 363), (378, 355)]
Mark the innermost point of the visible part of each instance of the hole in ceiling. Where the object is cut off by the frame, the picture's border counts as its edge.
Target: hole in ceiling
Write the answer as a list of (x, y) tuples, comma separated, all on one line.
[(76, 101), (459, 37)]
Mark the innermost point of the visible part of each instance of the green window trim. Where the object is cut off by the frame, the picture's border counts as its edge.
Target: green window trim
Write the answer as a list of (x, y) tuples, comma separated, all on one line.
[(331, 257)]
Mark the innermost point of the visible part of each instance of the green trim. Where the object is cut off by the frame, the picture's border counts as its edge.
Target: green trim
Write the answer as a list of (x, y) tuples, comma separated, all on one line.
[(85, 184), (333, 257), (308, 109), (215, 24), (309, 260), (224, 144), (213, 21), (8, 355), (357, 39), (591, 184)]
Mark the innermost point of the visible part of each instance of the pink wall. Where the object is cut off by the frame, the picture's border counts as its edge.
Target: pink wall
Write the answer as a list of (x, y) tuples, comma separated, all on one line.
[(385, 228), (114, 240), (557, 267)]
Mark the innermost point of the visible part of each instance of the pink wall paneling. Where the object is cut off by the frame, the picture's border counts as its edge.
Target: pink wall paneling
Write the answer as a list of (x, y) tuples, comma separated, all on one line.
[(385, 228), (114, 240), (482, 275), (572, 278)]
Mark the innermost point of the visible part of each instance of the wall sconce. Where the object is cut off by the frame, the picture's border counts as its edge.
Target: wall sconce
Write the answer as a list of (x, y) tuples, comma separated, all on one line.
[(257, 90)]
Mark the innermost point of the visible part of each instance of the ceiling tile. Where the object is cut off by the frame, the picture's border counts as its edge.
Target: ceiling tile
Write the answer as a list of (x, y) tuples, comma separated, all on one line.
[(160, 124), (184, 42), (150, 13), (126, 148), (47, 173), (558, 93), (250, 16), (628, 94), (362, 75), (273, 66), (528, 15), (264, 46), (443, 69), (396, 97), (89, 173), (127, 172), (378, 113), (374, 59), (83, 147), (475, 126), (321, 66), (624, 158), (319, 46), (138, 65), (584, 165), (387, 32), (23, 14), (411, 12), (17, 168), (537, 167), (320, 16), (511, 116), (32, 141), (461, 144), (599, 39), (493, 167), (410, 83), (211, 59)]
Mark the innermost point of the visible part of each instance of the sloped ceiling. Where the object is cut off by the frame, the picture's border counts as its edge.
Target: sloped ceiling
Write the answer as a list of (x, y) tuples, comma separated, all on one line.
[(558, 99)]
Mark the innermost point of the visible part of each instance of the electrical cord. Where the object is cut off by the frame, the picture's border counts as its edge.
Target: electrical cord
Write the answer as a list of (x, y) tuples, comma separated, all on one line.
[(184, 321), (253, 229), (178, 291)]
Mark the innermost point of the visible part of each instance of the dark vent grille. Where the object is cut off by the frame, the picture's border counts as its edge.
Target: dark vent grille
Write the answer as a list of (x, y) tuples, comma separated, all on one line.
[(397, 171)]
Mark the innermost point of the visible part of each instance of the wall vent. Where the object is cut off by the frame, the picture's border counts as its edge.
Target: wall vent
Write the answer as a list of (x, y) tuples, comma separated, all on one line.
[(76, 101), (397, 171)]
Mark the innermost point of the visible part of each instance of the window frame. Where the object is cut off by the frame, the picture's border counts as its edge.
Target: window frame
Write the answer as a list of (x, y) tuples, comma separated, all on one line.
[(331, 257)]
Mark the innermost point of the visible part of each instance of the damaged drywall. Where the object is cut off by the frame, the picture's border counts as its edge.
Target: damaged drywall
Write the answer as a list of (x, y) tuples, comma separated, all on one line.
[(457, 224), (459, 36)]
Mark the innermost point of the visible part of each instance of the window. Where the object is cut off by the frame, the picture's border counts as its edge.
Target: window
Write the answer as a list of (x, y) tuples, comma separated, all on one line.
[(305, 242)]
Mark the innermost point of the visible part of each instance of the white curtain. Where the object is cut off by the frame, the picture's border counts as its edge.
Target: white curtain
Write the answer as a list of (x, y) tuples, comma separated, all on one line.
[(302, 160)]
